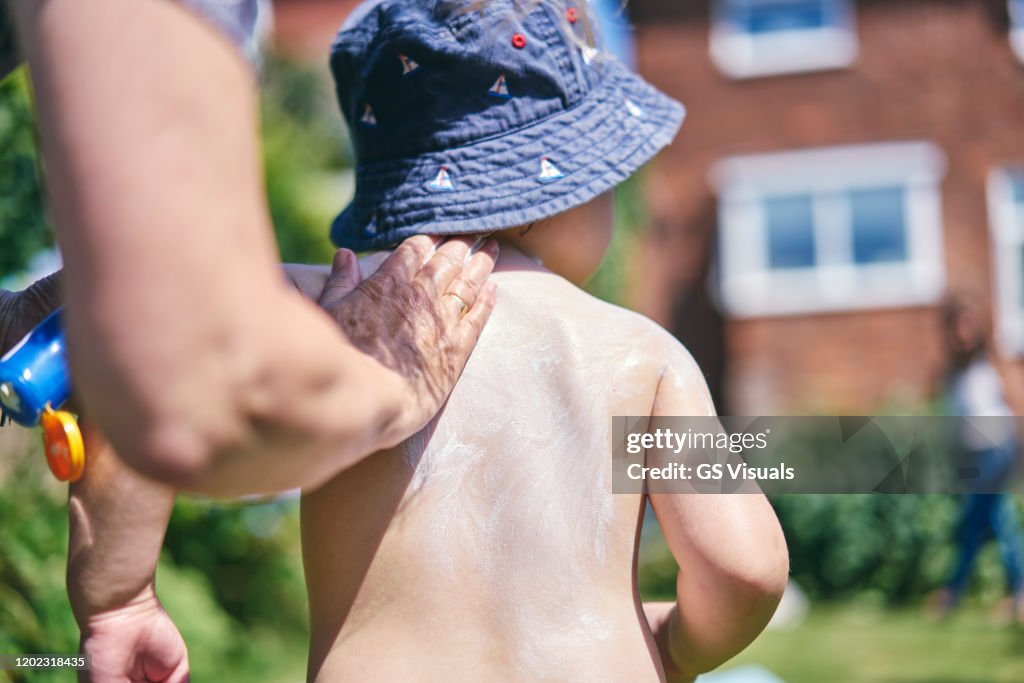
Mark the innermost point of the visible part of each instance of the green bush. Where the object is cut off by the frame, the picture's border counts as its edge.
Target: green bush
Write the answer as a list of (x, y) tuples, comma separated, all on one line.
[(250, 556), (897, 547), (254, 630), (305, 151), (24, 228), (35, 617), (892, 549)]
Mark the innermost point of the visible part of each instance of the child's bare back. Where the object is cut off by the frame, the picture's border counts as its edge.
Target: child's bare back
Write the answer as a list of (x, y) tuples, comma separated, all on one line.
[(490, 546)]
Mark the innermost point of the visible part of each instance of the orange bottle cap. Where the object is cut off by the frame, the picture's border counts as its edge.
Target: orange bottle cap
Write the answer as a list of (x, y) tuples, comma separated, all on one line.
[(62, 441)]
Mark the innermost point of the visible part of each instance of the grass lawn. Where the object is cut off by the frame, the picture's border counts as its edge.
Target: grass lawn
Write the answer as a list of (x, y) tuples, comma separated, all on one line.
[(859, 644)]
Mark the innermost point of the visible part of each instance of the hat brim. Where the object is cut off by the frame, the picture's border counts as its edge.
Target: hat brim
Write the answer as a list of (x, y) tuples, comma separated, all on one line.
[(497, 183)]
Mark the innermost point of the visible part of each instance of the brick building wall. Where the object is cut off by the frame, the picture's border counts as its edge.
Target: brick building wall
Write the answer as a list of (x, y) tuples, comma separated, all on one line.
[(305, 29), (935, 70)]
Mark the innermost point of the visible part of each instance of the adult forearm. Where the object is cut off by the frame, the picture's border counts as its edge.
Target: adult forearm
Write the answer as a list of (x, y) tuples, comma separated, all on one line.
[(117, 522), (178, 328), (199, 364), (271, 400), (286, 426)]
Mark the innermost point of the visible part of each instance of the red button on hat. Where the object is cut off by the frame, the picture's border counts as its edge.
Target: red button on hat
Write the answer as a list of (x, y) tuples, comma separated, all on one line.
[(519, 41), (572, 15)]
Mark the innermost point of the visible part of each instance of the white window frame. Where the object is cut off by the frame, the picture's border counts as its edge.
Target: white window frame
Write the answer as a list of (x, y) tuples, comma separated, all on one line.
[(1006, 221), (740, 54), (748, 286), (1016, 9)]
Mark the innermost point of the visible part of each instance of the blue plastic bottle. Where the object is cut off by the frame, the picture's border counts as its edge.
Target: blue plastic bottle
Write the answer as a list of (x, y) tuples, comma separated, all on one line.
[(34, 374)]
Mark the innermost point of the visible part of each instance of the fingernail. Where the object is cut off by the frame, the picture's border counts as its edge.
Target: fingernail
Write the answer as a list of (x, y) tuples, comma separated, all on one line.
[(340, 259), (479, 243)]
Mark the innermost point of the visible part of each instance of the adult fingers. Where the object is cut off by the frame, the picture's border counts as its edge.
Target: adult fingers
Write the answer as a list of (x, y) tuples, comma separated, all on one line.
[(447, 262), (407, 260), (461, 292), (472, 323), (343, 279)]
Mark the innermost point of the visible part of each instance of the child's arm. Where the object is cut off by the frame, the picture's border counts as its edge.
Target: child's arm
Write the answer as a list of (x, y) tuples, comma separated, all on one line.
[(117, 522), (731, 553)]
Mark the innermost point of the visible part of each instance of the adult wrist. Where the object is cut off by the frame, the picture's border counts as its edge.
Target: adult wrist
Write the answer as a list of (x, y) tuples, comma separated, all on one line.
[(90, 613)]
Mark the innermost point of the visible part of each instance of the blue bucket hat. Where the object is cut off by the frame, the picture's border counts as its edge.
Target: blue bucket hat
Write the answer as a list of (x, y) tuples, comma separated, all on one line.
[(470, 120)]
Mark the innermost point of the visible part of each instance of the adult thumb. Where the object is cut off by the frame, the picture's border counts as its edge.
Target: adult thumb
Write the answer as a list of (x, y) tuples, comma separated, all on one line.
[(343, 279)]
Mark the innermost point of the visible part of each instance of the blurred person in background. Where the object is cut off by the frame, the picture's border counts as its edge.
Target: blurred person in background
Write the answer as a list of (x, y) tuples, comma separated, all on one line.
[(974, 389)]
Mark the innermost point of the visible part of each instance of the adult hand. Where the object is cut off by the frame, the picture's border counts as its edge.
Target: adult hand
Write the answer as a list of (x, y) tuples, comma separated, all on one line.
[(135, 643), (419, 315), (22, 311)]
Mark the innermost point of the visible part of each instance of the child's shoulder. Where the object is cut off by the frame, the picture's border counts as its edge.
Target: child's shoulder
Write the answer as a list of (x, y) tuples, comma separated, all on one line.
[(639, 330), (660, 354)]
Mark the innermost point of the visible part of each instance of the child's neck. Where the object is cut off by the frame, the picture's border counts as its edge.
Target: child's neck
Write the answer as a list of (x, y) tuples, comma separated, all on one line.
[(512, 259)]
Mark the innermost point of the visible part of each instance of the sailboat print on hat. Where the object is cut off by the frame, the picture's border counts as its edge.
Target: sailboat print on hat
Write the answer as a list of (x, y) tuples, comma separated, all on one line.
[(369, 119), (633, 109), (442, 182), (409, 67), (500, 88), (548, 171)]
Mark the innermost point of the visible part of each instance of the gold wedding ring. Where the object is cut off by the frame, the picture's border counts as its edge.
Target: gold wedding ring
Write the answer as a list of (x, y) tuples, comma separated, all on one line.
[(462, 304)]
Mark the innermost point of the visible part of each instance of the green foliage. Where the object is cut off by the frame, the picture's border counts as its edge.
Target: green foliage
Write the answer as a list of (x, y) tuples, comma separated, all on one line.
[(858, 643), (35, 617), (254, 630), (24, 228), (305, 152), (897, 547), (609, 282), (892, 549), (250, 556)]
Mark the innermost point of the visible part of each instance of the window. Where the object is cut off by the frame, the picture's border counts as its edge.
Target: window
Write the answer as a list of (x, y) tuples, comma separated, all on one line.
[(830, 229), (764, 37), (1006, 215), (790, 225), (1017, 27)]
